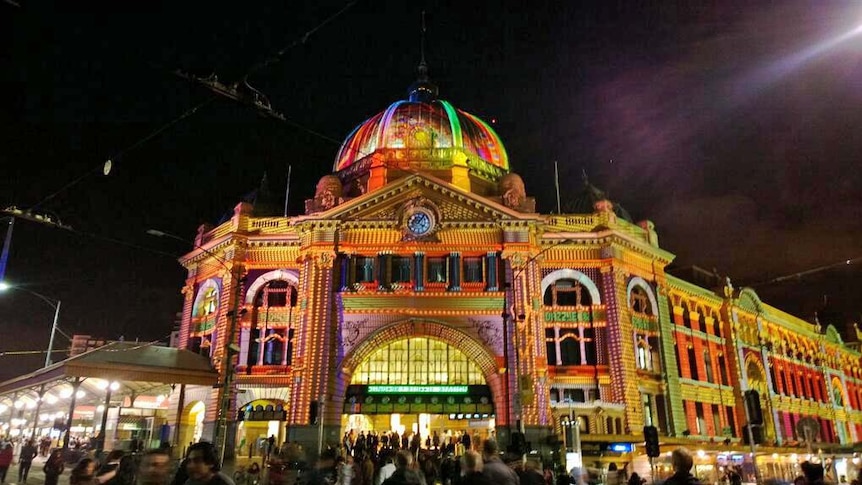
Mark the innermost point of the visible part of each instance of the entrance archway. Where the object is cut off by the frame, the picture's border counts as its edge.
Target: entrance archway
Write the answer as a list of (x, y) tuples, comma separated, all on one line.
[(423, 377), (259, 420), (192, 423), (756, 376)]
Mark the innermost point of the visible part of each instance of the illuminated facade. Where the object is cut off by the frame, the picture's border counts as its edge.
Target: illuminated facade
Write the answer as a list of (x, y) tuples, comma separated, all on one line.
[(421, 283)]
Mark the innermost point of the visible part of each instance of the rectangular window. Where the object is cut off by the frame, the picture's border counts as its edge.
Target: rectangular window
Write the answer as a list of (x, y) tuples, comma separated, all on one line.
[(570, 347), (555, 395), (437, 270), (551, 346), (707, 364), (364, 269), (692, 362), (701, 422), (473, 271), (647, 406), (722, 370), (731, 420), (401, 266), (716, 420)]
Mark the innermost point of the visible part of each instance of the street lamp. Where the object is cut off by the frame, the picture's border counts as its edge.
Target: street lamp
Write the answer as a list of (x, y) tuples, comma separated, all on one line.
[(55, 304), (220, 433)]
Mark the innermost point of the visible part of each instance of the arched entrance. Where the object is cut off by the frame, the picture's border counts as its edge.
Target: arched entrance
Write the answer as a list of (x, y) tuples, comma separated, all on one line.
[(192, 423), (422, 379), (259, 420), (757, 380)]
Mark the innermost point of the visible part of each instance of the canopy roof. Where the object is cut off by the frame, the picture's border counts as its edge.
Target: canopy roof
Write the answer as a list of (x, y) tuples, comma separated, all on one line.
[(138, 368)]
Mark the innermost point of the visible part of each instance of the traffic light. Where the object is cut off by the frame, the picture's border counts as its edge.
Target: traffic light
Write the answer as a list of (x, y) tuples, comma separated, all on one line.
[(752, 403), (651, 441)]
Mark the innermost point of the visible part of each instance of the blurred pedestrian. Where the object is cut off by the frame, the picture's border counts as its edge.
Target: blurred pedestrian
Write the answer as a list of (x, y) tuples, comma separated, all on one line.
[(471, 468), (6, 455), (154, 468), (54, 467), (494, 468), (84, 473), (681, 461), (203, 466), (25, 460)]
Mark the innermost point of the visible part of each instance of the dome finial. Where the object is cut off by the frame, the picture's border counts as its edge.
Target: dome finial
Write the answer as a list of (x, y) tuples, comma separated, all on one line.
[(423, 66), (584, 176), (423, 90)]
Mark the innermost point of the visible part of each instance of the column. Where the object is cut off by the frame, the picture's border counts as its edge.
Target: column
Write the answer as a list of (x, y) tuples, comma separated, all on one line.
[(454, 272), (419, 271), (491, 272)]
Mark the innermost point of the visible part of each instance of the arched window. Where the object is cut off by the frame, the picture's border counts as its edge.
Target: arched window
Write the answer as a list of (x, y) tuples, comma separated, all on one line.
[(567, 292), (639, 301), (272, 329), (418, 361)]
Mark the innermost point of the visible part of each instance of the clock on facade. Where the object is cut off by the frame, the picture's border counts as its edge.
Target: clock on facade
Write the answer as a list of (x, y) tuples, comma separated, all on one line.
[(419, 222)]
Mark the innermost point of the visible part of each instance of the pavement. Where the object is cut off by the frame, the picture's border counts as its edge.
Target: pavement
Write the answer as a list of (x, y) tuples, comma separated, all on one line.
[(36, 475)]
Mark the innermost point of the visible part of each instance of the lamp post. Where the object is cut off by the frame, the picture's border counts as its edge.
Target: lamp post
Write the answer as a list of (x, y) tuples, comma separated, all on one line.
[(230, 350), (55, 304)]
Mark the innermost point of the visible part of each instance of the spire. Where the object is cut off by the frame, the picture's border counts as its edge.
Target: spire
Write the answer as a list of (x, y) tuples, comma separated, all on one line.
[(423, 90)]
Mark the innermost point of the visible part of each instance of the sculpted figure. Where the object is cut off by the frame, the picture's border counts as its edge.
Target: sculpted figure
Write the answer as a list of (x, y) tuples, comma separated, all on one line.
[(512, 191), (328, 192)]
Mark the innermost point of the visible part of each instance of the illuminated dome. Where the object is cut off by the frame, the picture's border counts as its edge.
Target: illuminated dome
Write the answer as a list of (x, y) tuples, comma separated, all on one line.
[(415, 124)]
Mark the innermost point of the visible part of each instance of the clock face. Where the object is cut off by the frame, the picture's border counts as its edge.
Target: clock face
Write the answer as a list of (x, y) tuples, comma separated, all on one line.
[(419, 223)]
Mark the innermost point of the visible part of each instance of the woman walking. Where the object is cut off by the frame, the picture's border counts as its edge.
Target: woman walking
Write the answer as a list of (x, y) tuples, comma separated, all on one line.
[(54, 467), (6, 456)]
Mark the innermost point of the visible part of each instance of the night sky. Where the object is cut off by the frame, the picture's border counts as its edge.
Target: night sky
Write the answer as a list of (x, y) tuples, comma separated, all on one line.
[(732, 125)]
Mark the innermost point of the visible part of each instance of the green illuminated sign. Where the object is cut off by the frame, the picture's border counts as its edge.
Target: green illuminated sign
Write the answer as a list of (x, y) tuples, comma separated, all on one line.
[(417, 389)]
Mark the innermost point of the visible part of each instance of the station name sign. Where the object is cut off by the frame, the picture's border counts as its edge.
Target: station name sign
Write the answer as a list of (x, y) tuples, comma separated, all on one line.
[(417, 389)]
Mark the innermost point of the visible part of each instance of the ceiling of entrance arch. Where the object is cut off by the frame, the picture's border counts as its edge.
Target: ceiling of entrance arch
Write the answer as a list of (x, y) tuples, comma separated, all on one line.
[(418, 361)]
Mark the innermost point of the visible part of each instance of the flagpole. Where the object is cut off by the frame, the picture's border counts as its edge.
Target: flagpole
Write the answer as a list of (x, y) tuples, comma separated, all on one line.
[(557, 184), (287, 189)]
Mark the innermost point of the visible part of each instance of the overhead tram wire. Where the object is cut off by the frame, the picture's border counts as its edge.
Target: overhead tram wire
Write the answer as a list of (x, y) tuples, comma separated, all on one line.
[(800, 274), (106, 166)]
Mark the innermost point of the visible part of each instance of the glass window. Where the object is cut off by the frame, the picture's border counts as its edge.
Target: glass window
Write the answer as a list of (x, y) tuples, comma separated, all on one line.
[(643, 357), (566, 292), (437, 270), (692, 362), (570, 347), (418, 361), (401, 266), (647, 407), (639, 301), (364, 269), (551, 345), (473, 269), (707, 364)]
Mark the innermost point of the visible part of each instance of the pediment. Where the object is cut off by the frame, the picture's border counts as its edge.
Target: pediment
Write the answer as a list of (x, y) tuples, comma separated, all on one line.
[(452, 204)]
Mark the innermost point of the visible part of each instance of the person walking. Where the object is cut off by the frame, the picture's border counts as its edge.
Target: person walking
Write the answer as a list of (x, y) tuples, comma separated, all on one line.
[(84, 473), (6, 455), (681, 461), (54, 467), (155, 468), (471, 465), (494, 469), (25, 460)]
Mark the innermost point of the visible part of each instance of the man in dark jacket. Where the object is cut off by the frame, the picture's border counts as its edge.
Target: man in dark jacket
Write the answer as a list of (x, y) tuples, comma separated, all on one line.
[(681, 461), (405, 472), (25, 460)]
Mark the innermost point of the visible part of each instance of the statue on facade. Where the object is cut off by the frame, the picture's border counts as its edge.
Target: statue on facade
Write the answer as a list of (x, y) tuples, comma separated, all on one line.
[(327, 195), (513, 194)]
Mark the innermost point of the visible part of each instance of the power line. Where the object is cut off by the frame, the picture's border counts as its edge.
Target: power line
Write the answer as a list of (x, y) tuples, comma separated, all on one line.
[(800, 274)]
